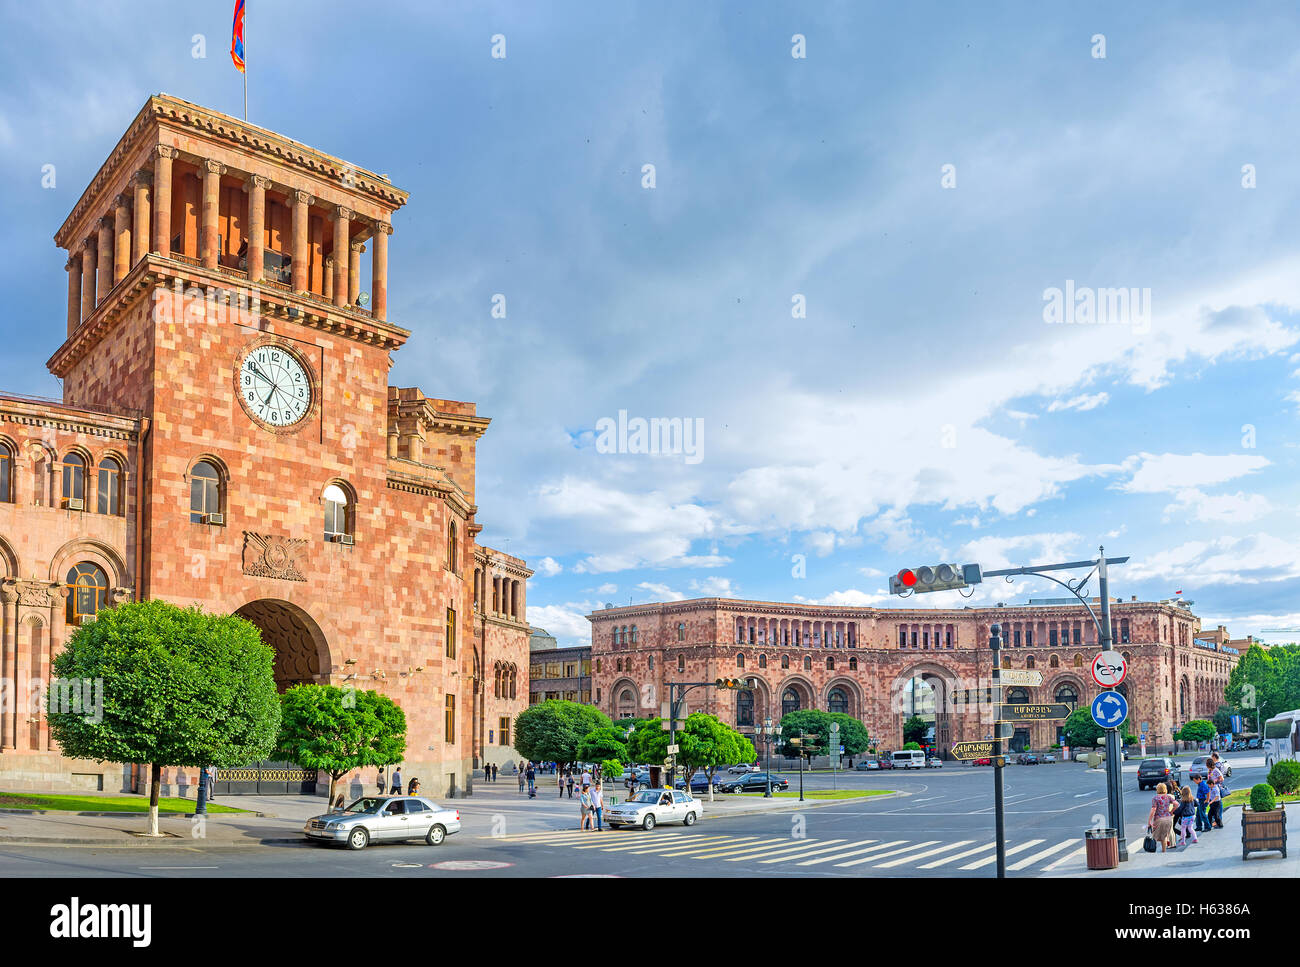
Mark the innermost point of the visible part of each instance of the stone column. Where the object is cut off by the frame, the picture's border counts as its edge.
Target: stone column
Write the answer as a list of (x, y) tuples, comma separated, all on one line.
[(257, 186), (379, 272), (87, 277), (354, 271), (104, 274), (301, 200), (121, 237), (8, 654), (209, 247), (328, 281), (74, 293), (162, 200), (342, 220), (140, 182)]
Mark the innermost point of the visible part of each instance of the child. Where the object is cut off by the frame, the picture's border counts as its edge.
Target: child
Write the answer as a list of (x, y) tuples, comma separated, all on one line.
[(1185, 816)]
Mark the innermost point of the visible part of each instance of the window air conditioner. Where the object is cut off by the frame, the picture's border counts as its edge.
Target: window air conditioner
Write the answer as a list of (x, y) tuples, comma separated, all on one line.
[(347, 539), (214, 519), (74, 503)]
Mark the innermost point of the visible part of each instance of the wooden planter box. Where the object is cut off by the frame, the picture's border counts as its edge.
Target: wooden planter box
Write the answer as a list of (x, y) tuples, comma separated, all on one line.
[(1263, 831)]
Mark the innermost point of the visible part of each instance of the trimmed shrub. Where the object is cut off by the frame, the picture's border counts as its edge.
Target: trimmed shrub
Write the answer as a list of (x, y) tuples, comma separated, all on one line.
[(1261, 798), (1285, 776)]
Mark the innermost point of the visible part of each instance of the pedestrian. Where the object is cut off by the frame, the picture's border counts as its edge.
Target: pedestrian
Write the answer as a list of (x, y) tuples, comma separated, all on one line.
[(1216, 806), (380, 781), (1185, 815), (1202, 800), (531, 776), (584, 808), (520, 770), (494, 772), (559, 781), (598, 803), (1160, 820), (414, 788), (338, 804), (487, 772), (396, 789), (210, 777), (586, 776), (568, 781)]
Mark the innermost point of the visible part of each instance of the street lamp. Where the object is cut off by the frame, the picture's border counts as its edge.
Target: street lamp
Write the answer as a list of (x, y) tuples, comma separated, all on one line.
[(767, 738)]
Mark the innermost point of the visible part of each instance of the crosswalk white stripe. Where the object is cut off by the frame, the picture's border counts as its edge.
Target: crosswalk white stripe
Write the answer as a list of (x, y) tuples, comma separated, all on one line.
[(825, 849), (681, 843), (951, 859), (551, 837), (893, 852), (1066, 858), (921, 856), (794, 848), (840, 856), (739, 846), (728, 843), (706, 842), (994, 858), (1042, 854)]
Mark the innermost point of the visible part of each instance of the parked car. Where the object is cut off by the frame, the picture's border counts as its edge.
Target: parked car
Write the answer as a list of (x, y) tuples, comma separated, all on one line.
[(934, 762), (753, 782), (1153, 771), (385, 819), (1026, 759), (1047, 757), (868, 764), (886, 761), (982, 762), (1253, 744), (1197, 770), (650, 807), (700, 782)]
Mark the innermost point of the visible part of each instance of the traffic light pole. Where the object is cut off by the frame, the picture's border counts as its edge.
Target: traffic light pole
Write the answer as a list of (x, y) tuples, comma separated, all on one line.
[(999, 763), (1114, 759)]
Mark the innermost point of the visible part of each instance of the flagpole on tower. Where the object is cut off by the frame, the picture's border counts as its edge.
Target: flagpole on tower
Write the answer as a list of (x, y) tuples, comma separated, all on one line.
[(245, 70)]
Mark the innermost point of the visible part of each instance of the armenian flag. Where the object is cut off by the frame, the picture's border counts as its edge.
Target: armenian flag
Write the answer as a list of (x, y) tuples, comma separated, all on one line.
[(237, 37)]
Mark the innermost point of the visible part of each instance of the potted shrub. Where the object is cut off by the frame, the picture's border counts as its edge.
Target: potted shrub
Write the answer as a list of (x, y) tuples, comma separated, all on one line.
[(1263, 822)]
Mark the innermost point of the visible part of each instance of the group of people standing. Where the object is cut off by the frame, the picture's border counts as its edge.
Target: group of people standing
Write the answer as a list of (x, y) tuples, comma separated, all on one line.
[(1193, 812)]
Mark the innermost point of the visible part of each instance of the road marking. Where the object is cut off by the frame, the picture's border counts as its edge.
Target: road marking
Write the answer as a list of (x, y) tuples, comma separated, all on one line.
[(1066, 858), (825, 849), (921, 856), (1042, 854), (703, 842), (179, 867), (739, 846), (905, 849), (1080, 795), (994, 858), (840, 856), (726, 841), (799, 848), (959, 856)]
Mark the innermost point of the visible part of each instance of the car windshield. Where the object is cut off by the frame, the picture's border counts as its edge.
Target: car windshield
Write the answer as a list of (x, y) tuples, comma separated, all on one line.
[(646, 795), (367, 804)]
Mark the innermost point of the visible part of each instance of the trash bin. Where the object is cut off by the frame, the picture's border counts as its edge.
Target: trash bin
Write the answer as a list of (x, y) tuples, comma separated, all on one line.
[(1102, 848)]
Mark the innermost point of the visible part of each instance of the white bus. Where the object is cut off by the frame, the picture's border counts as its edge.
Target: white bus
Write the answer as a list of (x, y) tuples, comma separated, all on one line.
[(1281, 737), (910, 759)]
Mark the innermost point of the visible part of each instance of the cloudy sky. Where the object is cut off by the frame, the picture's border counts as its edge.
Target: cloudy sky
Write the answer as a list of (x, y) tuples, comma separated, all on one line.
[(840, 269)]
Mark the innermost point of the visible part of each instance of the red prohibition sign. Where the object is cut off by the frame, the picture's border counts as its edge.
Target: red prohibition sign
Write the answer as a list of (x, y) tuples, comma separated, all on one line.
[(1112, 675)]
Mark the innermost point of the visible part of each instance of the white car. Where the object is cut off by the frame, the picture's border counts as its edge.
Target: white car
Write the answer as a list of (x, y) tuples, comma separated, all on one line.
[(650, 807), (377, 819)]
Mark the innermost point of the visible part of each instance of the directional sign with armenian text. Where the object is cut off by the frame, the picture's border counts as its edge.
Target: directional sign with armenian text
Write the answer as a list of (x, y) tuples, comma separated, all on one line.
[(1032, 713), (1020, 676), (972, 750)]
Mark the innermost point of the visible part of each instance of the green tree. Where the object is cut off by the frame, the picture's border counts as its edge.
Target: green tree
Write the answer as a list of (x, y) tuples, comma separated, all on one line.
[(1080, 730), (853, 734), (180, 688), (706, 743), (1223, 719), (914, 730), (649, 743), (912, 746), (602, 744), (815, 727), (550, 731), (336, 730), (1197, 730)]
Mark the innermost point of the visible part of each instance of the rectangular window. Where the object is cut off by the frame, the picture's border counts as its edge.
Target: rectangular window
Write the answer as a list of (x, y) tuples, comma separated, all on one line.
[(1029, 637), (553, 670), (451, 633), (503, 726), (536, 672), (1017, 633), (913, 639), (1051, 637), (1077, 635), (570, 669), (450, 718), (586, 696), (6, 475), (110, 490)]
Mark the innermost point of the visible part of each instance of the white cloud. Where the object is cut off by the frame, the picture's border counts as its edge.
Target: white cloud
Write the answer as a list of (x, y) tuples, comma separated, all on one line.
[(568, 625), (1081, 403), (1238, 508), (1247, 560), (547, 567), (850, 598), (661, 592), (714, 587), (1157, 473), (821, 542)]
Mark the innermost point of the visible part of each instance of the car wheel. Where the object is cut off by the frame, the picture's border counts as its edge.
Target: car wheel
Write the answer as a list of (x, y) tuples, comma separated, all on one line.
[(359, 838), (689, 820), (649, 821), (436, 835)]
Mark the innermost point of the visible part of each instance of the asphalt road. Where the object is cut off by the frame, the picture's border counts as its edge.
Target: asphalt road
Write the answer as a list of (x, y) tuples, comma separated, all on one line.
[(943, 826)]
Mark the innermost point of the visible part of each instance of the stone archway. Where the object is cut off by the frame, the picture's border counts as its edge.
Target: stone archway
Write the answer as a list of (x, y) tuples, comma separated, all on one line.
[(929, 691), (301, 652)]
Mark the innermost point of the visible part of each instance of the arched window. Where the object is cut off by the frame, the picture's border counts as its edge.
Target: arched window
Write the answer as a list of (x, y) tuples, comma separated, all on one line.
[(837, 701), (1123, 631), (634, 634), (807, 663), (1029, 661), (830, 664), (789, 701), (513, 678), (451, 547), (650, 663), (681, 631), (1078, 661), (785, 661), (681, 663), (625, 703), (853, 664), (1067, 694), (205, 494), (496, 680), (74, 482), (110, 487), (744, 708), (740, 659), (762, 661), (338, 515), (1017, 696), (87, 592), (6, 473), (1054, 662)]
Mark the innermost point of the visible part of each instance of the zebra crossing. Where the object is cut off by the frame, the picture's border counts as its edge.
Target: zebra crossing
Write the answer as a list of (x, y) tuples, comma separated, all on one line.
[(817, 855)]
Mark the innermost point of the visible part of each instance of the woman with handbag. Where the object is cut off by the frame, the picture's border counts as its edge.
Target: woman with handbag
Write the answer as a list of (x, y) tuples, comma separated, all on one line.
[(1161, 820)]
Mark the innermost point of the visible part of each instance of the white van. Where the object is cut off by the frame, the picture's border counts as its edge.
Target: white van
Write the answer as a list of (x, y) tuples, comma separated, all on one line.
[(1281, 738), (910, 759)]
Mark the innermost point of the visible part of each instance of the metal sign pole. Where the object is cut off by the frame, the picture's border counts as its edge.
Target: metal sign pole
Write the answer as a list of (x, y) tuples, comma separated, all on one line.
[(1114, 759), (995, 644)]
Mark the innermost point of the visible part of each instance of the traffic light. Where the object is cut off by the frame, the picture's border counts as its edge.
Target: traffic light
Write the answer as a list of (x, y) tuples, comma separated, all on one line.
[(737, 683), (938, 577)]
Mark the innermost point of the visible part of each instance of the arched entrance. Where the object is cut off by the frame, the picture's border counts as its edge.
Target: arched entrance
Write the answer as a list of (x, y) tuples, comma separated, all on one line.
[(301, 653), (926, 692)]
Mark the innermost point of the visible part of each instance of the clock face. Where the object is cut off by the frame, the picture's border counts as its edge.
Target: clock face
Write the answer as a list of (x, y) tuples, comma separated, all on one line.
[(274, 386)]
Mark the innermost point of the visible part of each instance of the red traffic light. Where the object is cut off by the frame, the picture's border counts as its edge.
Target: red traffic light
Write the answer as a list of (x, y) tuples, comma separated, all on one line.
[(907, 578)]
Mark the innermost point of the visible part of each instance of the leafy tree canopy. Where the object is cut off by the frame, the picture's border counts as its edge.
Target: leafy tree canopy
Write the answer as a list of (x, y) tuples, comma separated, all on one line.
[(706, 743), (914, 729), (551, 730), (337, 729), (602, 744), (1080, 730), (1197, 730), (649, 743)]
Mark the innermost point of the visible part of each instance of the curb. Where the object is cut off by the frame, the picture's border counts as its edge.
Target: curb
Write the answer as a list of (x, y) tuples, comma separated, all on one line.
[(162, 843), (110, 815)]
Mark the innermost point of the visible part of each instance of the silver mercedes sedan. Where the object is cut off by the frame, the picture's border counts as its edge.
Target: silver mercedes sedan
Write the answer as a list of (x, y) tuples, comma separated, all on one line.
[(379, 819)]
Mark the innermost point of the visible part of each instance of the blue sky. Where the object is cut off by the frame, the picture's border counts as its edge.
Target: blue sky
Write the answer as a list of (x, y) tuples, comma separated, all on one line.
[(920, 410)]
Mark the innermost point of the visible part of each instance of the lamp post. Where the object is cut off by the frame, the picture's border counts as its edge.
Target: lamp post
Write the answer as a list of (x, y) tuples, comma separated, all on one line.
[(767, 738)]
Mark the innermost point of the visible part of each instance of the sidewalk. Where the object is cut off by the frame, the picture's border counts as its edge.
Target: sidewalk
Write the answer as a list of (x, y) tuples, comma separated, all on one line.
[(1216, 856)]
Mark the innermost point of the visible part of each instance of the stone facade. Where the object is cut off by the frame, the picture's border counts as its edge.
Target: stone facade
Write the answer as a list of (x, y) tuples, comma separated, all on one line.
[(342, 522), (879, 664)]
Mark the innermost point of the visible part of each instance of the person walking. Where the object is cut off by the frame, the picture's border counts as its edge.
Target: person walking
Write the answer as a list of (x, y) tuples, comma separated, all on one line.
[(1160, 819), (414, 788), (586, 776), (494, 772), (396, 789), (559, 781), (1216, 806), (598, 803), (520, 770), (380, 781), (210, 777), (1185, 815), (1202, 801), (568, 781), (531, 776), (584, 808)]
